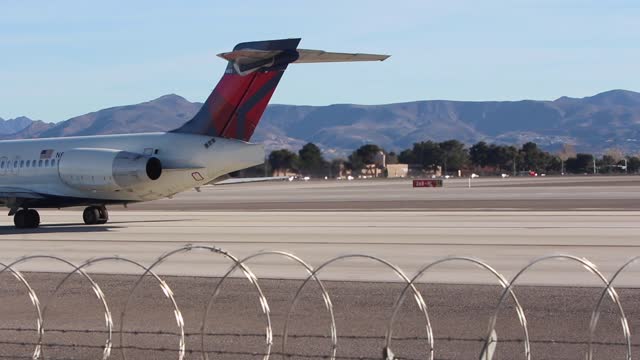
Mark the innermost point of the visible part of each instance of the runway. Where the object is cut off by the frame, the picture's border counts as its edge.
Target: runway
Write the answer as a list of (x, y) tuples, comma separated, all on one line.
[(507, 223), (521, 193), (333, 218)]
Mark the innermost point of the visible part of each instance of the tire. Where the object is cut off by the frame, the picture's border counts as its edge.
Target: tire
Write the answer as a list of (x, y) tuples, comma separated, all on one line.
[(32, 219), (104, 215), (91, 215), (20, 219)]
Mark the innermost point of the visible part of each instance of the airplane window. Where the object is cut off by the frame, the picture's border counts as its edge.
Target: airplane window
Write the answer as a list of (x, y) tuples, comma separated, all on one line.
[(15, 164), (21, 163), (27, 164), (2, 165), (39, 163), (46, 163), (53, 163)]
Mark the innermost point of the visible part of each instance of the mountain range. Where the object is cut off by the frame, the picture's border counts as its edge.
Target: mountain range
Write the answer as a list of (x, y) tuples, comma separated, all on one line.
[(593, 124), (12, 126)]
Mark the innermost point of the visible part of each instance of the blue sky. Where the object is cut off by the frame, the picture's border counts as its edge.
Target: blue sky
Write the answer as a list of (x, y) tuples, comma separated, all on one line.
[(60, 59)]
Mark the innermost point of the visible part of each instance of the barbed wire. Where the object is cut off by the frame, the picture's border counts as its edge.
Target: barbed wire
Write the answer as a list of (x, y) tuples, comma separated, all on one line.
[(478, 340), (427, 341), (169, 350), (320, 336)]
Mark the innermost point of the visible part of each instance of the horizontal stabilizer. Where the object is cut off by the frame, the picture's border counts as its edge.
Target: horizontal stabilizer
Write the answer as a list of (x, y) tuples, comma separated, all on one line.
[(316, 56), (249, 56)]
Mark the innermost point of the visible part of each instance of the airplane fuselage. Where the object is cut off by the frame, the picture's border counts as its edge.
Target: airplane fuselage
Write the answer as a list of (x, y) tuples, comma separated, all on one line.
[(41, 166)]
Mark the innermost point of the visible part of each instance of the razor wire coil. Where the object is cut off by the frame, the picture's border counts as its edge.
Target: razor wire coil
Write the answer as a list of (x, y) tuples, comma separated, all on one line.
[(429, 340)]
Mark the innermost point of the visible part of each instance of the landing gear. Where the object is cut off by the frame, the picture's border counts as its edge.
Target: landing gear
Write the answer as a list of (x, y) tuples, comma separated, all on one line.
[(26, 219), (95, 215)]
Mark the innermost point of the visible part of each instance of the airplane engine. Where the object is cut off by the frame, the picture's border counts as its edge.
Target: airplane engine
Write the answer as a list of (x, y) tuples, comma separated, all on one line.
[(107, 169)]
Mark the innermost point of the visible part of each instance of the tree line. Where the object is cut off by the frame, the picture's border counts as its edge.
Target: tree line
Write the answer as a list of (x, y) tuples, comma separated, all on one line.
[(450, 156), (310, 161)]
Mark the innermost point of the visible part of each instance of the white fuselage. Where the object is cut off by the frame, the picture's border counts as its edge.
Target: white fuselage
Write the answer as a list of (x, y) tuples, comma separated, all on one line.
[(188, 161)]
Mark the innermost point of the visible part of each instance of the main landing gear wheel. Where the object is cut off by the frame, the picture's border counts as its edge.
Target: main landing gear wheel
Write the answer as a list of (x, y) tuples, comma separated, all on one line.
[(95, 215), (26, 219)]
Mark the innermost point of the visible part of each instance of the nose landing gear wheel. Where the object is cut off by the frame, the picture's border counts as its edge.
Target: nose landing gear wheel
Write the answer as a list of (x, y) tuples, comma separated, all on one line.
[(95, 215), (26, 219)]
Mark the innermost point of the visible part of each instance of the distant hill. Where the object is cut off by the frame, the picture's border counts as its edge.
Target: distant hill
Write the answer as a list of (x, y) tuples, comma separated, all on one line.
[(606, 120), (160, 114), (12, 126)]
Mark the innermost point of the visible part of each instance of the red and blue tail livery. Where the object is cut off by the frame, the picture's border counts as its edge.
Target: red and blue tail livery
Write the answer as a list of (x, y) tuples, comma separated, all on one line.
[(236, 105)]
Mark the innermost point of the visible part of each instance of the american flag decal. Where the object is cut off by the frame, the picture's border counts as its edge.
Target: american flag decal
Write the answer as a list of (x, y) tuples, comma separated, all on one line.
[(46, 154)]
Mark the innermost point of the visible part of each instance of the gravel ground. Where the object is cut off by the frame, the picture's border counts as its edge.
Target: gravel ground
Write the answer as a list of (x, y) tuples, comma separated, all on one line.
[(75, 327)]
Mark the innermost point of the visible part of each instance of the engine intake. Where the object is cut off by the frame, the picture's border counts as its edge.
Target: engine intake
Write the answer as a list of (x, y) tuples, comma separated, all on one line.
[(107, 169)]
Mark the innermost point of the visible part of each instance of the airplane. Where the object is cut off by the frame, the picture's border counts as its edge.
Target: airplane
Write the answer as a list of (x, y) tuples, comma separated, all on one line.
[(97, 171)]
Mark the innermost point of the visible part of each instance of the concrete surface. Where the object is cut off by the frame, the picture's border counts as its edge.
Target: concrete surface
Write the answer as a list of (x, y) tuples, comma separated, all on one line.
[(505, 239), (548, 193)]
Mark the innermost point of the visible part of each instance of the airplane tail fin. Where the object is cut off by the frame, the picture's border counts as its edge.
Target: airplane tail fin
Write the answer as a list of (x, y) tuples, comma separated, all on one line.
[(254, 70)]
